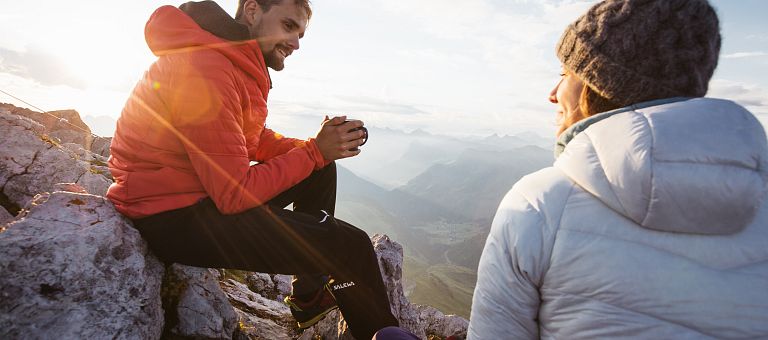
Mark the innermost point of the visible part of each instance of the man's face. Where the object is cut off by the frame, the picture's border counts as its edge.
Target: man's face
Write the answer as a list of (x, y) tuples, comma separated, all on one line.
[(278, 31)]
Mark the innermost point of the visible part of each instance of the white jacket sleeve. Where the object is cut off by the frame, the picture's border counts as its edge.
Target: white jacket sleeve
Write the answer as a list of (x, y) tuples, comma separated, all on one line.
[(506, 301)]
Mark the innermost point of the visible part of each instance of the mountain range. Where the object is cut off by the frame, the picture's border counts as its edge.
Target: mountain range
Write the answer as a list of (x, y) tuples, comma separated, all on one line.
[(441, 214), (392, 157)]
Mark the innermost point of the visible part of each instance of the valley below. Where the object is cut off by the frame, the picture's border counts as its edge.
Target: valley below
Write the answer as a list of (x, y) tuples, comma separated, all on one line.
[(443, 212)]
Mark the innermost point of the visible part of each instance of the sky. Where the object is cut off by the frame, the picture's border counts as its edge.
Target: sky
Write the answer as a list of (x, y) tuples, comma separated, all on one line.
[(453, 67)]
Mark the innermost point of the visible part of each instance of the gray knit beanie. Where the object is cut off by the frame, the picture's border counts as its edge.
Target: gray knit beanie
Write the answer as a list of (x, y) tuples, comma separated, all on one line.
[(631, 51)]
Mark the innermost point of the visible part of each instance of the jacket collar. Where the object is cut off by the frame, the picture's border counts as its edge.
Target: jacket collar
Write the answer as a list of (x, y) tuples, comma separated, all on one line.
[(583, 124), (215, 20)]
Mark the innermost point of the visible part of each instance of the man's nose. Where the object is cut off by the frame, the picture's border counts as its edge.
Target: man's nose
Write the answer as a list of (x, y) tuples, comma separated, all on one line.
[(293, 43)]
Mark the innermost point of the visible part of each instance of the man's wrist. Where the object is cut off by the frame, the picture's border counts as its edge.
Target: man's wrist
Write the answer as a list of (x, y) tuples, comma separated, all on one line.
[(315, 154)]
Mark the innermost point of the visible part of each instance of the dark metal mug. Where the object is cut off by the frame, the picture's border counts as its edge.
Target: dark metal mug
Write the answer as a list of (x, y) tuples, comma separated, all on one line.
[(364, 138)]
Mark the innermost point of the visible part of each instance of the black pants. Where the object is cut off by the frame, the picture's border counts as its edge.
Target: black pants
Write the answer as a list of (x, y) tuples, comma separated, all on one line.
[(305, 242)]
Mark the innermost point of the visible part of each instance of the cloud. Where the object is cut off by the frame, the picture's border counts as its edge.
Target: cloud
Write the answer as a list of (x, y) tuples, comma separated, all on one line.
[(363, 104), (753, 97), (740, 55), (460, 19), (507, 33), (758, 37), (493, 46), (343, 105), (40, 66)]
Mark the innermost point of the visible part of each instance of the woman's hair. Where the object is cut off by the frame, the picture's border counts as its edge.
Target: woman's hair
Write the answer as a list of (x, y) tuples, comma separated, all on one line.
[(590, 104)]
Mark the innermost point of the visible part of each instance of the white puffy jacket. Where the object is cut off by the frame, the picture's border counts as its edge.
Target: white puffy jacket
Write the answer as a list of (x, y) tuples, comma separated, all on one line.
[(652, 224)]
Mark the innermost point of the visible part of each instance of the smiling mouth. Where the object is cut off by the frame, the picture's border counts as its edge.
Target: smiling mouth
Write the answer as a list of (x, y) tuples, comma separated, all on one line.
[(284, 52)]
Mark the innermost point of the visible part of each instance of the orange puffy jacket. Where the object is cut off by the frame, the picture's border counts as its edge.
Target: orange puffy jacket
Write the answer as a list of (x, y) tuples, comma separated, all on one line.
[(195, 122)]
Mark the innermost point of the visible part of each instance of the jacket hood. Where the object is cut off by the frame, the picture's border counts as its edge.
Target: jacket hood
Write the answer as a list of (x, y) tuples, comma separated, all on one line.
[(169, 30), (695, 166)]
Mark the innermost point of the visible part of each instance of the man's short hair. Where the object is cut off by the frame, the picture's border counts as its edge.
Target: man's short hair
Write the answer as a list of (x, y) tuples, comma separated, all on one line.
[(267, 4)]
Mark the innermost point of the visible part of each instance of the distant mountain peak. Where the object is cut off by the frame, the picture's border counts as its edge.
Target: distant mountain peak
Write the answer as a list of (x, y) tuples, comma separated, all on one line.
[(420, 132)]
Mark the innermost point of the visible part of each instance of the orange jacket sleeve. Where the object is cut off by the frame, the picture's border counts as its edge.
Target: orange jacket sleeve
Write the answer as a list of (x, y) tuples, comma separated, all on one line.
[(272, 144), (209, 120)]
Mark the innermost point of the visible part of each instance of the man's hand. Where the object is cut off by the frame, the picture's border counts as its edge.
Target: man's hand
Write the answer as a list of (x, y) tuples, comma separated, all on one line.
[(335, 140)]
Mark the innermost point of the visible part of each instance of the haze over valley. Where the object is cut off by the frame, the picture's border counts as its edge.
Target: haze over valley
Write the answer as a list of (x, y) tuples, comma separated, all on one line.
[(437, 196)]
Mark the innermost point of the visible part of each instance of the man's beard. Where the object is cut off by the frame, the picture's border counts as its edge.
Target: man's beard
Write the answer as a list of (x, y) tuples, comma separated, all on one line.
[(274, 61)]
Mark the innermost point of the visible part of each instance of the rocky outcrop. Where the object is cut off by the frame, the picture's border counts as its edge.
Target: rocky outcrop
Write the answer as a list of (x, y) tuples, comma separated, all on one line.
[(65, 126), (434, 322), (5, 216), (31, 163), (196, 307), (100, 146), (423, 321), (390, 255), (74, 269), (272, 286), (260, 317)]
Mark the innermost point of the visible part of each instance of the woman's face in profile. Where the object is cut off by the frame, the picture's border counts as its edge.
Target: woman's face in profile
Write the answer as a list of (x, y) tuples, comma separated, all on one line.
[(566, 96)]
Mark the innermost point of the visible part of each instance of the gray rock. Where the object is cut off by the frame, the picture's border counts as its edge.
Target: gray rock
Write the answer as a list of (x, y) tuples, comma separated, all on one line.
[(73, 268), (65, 135), (100, 146), (283, 285), (332, 327), (436, 323), (64, 125), (69, 187), (5, 216), (262, 283), (202, 308), (97, 163), (86, 155), (255, 327), (272, 286), (19, 132), (260, 317), (32, 163), (390, 255)]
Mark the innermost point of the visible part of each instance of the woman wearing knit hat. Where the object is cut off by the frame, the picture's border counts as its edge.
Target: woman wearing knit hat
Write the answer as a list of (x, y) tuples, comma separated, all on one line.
[(653, 221)]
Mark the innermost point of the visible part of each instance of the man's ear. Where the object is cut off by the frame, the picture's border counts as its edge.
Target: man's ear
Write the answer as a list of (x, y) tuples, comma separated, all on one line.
[(252, 13)]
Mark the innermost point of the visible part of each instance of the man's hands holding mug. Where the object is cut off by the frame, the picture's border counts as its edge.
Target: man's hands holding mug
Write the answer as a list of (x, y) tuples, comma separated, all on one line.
[(341, 138)]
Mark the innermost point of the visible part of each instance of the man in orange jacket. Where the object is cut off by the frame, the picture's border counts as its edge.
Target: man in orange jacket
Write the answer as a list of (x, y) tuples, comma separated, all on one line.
[(183, 161)]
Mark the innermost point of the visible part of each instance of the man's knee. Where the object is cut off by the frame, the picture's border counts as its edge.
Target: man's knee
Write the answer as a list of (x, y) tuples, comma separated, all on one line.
[(351, 236), (328, 172)]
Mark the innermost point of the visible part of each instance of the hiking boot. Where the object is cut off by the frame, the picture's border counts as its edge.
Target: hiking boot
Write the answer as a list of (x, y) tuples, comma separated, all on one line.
[(308, 313)]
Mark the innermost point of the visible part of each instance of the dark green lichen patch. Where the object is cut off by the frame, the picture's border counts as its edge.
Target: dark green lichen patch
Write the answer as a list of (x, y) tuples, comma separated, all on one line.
[(237, 275)]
